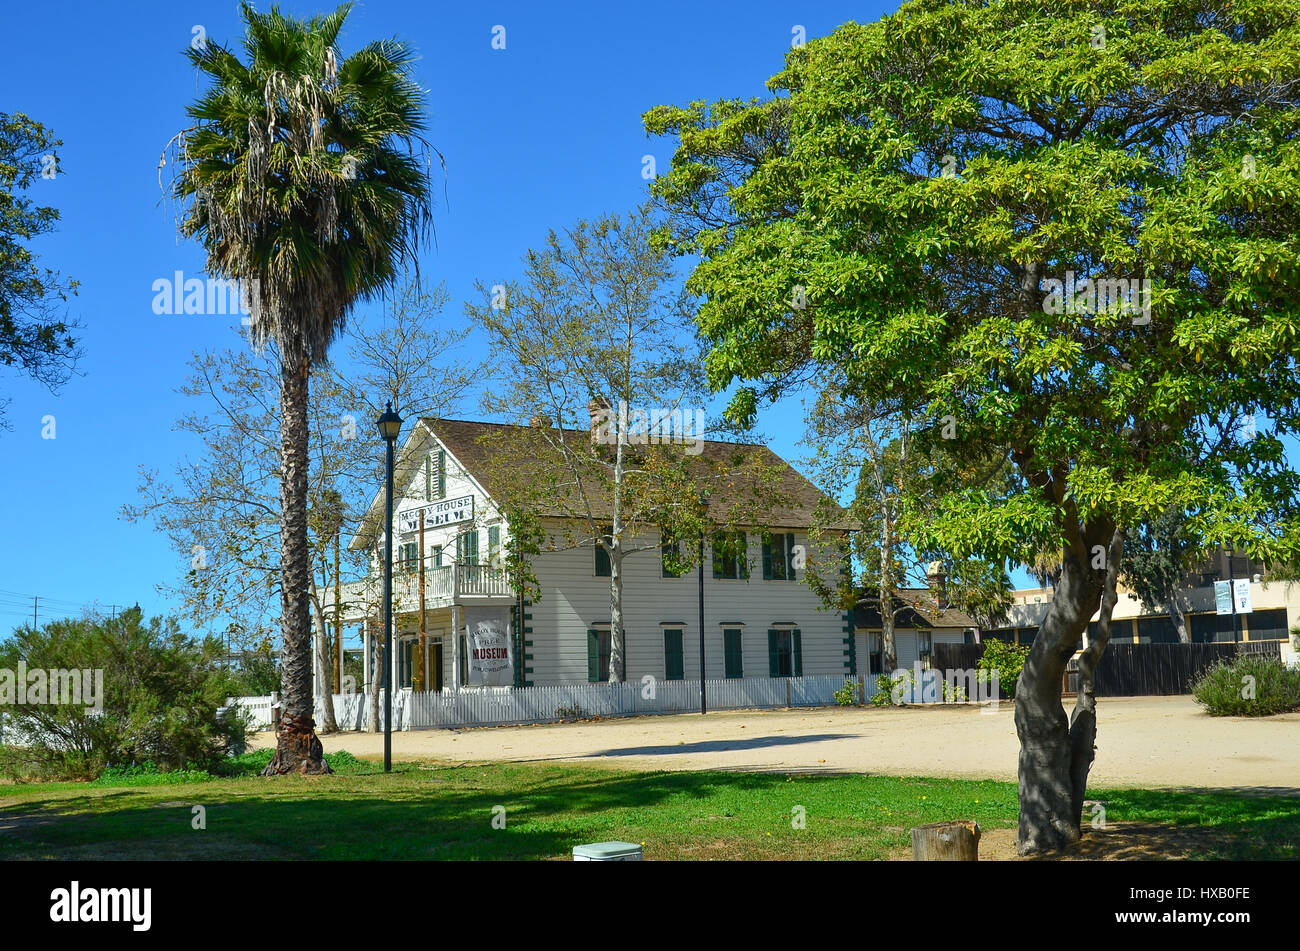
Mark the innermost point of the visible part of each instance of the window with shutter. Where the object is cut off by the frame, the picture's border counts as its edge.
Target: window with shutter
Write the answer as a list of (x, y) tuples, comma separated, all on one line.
[(674, 657), (730, 557), (442, 473), (733, 663), (784, 656), (603, 567), (671, 562), (598, 649), (778, 557)]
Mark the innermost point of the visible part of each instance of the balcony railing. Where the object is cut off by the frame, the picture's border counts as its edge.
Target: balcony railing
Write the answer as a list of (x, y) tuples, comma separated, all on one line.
[(449, 584), (443, 586)]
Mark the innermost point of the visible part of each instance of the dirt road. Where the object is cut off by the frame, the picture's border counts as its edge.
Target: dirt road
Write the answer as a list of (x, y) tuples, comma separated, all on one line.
[(1142, 741)]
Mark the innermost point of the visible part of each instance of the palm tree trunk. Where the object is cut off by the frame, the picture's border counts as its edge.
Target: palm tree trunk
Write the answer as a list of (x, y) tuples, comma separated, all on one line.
[(297, 748)]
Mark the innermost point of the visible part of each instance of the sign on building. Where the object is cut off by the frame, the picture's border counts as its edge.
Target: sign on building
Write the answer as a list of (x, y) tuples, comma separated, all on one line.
[(489, 657), (446, 512)]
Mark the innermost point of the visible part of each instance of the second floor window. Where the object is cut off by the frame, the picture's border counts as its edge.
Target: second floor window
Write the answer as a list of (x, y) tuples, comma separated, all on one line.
[(729, 555), (778, 556), (603, 567), (408, 558), (467, 548), (671, 562)]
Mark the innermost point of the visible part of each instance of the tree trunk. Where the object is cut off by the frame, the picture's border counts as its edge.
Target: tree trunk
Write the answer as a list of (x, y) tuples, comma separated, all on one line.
[(888, 649), (1047, 816), (328, 723), (297, 750), (374, 650), (1083, 722), (946, 842), (617, 636), (338, 617), (1180, 620)]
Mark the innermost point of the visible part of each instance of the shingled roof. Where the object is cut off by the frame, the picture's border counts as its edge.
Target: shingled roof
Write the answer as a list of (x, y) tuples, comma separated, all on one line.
[(919, 610), (799, 497)]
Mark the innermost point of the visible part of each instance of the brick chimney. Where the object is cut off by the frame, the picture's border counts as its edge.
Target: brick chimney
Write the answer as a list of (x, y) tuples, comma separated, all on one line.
[(598, 410), (937, 580)]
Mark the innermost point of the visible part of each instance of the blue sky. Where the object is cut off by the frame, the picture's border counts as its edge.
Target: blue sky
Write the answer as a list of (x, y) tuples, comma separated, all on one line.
[(535, 136)]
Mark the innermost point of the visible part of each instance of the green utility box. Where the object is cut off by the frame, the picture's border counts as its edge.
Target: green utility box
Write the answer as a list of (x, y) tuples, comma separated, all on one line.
[(607, 852)]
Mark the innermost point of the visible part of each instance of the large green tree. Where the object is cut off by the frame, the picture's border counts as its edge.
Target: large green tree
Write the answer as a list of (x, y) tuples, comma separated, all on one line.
[(303, 172), (35, 332), (931, 204)]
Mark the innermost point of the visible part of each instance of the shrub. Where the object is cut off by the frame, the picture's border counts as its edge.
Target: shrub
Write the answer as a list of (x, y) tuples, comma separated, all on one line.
[(1008, 660), (848, 694), (1249, 686), (162, 700), (884, 695)]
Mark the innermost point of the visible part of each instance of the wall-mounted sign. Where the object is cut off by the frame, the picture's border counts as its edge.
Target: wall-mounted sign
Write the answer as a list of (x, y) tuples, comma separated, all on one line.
[(446, 512), (490, 661)]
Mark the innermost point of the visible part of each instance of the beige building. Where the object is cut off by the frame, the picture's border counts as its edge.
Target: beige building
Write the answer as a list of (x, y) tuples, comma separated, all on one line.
[(1275, 610)]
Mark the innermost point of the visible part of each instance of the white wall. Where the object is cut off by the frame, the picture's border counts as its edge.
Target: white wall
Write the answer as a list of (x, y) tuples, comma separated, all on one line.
[(574, 600)]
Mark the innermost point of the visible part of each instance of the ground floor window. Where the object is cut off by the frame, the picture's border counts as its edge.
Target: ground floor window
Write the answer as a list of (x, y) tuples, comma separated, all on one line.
[(405, 662), (732, 659), (1267, 625), (674, 660), (598, 649), (1153, 630), (1212, 628), (784, 653), (875, 653)]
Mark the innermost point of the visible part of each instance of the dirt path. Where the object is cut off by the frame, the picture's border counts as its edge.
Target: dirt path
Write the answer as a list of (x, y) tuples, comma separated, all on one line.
[(1142, 741)]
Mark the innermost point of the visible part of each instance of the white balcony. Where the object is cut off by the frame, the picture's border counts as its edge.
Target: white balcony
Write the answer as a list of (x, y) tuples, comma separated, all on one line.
[(443, 587)]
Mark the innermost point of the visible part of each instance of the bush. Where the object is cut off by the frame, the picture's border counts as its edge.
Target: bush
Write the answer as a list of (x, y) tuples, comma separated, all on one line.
[(884, 695), (1008, 660), (848, 694), (1249, 686), (254, 674), (162, 700)]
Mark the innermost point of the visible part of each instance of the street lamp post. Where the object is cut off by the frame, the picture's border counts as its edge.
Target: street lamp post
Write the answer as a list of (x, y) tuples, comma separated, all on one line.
[(390, 424), (704, 506), (1232, 591)]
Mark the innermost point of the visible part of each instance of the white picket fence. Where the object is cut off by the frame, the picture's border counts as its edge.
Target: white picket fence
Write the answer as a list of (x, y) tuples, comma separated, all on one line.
[(489, 706)]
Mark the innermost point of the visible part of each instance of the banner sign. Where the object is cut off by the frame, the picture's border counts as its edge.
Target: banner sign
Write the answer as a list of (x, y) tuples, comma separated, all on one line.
[(1241, 595), (446, 512), (490, 659), (1222, 597)]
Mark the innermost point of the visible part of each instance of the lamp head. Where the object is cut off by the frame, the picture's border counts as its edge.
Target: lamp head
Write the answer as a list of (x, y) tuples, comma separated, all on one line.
[(390, 424)]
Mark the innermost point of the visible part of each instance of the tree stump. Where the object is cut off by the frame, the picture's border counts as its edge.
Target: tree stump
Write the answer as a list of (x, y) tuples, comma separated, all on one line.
[(946, 842)]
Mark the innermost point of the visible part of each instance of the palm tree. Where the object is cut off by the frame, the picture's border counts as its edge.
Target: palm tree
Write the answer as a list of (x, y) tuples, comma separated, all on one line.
[(304, 177)]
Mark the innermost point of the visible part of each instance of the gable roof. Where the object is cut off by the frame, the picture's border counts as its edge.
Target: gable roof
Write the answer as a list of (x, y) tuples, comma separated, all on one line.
[(920, 610), (464, 440)]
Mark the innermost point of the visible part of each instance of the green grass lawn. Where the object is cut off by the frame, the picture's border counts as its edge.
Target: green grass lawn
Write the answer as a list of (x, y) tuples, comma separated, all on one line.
[(430, 811)]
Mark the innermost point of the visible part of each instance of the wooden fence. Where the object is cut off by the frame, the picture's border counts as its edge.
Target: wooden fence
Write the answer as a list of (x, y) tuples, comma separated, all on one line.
[(1131, 670), (1135, 670)]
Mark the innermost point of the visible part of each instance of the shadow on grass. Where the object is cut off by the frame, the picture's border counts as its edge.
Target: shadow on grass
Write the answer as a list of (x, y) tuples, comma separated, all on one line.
[(447, 813), (717, 746), (409, 816)]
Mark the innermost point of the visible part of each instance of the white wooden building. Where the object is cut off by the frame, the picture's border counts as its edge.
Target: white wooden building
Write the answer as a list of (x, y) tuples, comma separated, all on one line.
[(761, 618)]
